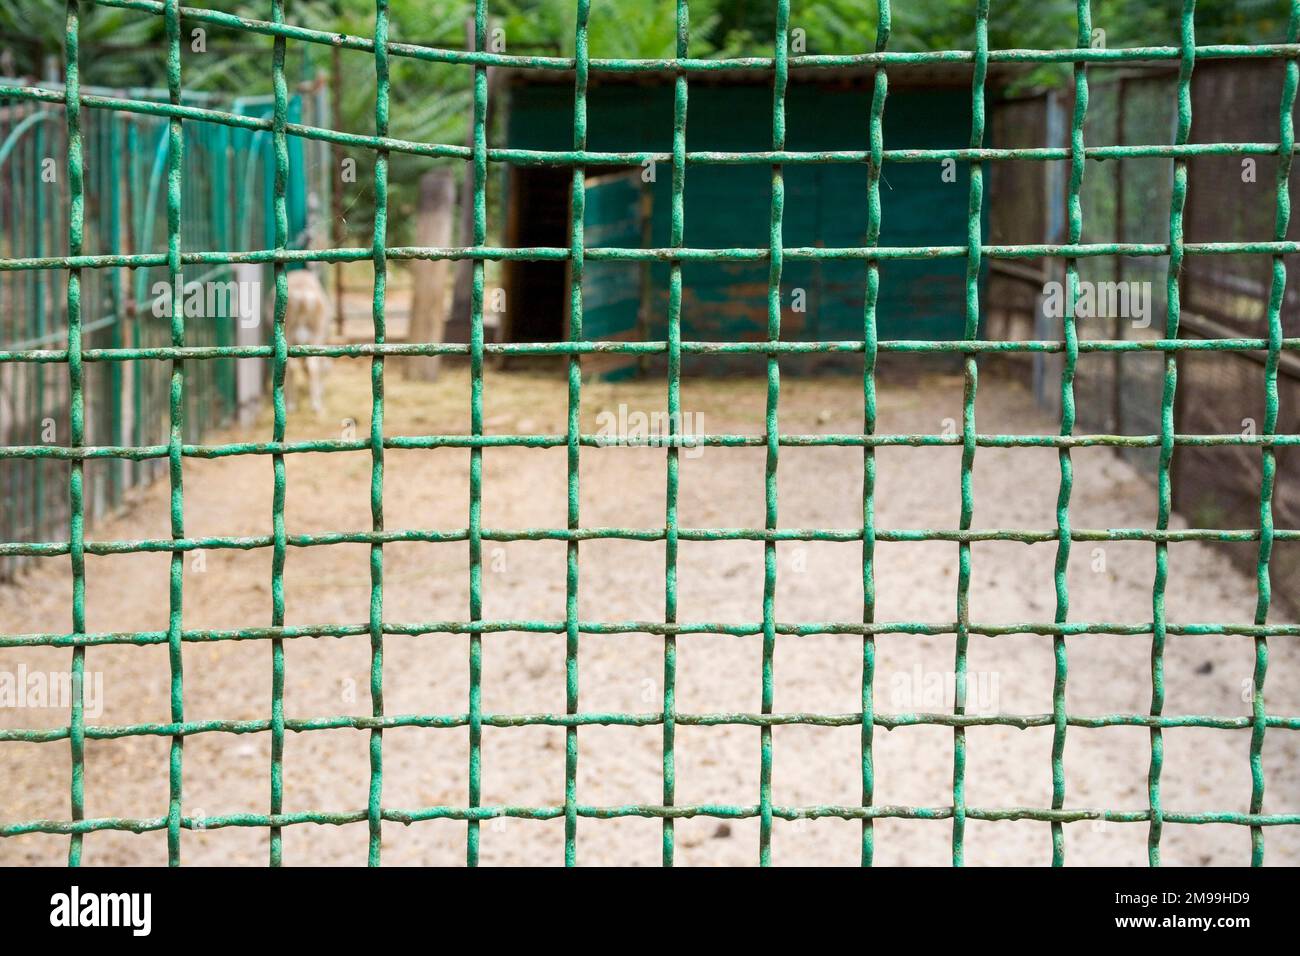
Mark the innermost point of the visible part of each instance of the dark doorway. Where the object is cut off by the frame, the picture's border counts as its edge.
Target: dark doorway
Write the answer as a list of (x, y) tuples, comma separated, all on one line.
[(539, 216)]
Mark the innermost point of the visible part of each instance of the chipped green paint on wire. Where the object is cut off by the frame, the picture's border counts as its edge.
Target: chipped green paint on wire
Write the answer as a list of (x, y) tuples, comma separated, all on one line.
[(1268, 465), (771, 432), (974, 251), (671, 530), (379, 256), (476, 427), (279, 363), (577, 214), (1178, 195), (871, 348), (176, 419), (76, 416), (969, 384), (1074, 212)]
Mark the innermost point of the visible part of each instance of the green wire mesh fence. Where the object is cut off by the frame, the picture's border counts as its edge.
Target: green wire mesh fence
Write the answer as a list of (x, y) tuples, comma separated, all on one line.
[(125, 188), (185, 358)]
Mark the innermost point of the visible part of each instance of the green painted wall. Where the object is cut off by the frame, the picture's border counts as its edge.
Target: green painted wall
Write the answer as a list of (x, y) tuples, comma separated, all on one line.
[(728, 206)]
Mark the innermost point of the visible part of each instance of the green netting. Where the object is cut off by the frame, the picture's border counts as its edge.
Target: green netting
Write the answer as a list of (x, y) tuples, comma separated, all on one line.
[(183, 358), (125, 187)]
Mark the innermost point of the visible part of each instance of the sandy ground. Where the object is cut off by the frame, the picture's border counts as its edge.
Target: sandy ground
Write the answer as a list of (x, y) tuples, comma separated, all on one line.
[(819, 487)]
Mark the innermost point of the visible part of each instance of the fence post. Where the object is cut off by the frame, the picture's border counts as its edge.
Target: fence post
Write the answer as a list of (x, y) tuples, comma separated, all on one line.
[(459, 322), (429, 277), (248, 331)]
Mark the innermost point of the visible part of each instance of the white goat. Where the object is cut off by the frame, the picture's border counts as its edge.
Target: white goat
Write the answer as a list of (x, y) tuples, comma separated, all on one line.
[(307, 318)]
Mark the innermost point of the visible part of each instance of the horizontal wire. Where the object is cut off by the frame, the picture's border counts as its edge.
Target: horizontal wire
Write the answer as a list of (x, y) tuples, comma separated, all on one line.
[(722, 811), (658, 254), (367, 349), (749, 629), (452, 535), (693, 65), (446, 721), (817, 440), (584, 157)]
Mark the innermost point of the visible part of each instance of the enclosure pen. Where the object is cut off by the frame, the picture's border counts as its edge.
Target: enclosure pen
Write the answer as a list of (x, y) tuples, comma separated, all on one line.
[(975, 252), (125, 190)]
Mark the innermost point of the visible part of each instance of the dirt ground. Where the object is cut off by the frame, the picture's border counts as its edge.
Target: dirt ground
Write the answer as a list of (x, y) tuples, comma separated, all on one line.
[(1204, 769)]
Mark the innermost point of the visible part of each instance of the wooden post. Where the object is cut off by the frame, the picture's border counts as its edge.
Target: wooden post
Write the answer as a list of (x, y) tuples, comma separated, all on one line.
[(459, 324), (430, 278)]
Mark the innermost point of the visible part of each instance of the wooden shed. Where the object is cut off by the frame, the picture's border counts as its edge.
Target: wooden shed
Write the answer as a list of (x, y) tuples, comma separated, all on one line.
[(727, 205)]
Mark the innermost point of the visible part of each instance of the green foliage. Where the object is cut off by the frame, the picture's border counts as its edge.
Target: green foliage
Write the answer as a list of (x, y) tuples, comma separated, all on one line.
[(31, 33), (431, 103), (644, 29), (427, 102), (647, 28)]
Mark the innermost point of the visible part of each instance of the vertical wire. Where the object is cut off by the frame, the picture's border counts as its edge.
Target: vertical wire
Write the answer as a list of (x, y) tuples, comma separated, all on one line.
[(676, 239), (970, 383), (1268, 463), (176, 436), (379, 256), (279, 364), (576, 240), (479, 159), (879, 91), (77, 419), (1071, 334), (780, 80), (1177, 198)]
